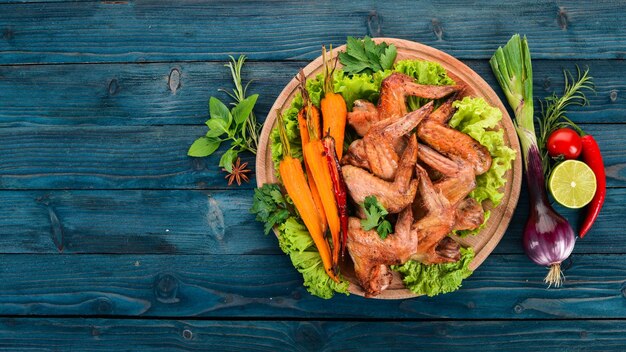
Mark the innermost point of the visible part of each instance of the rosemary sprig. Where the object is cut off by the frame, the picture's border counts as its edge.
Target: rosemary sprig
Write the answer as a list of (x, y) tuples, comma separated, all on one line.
[(553, 110)]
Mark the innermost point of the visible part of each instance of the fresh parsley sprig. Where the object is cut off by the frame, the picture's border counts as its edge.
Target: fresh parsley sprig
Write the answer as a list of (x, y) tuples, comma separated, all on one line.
[(270, 206), (375, 217), (363, 55), (237, 125)]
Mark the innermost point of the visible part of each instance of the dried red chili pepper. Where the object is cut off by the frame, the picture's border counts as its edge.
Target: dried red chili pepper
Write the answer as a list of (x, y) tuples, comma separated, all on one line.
[(339, 187), (591, 156)]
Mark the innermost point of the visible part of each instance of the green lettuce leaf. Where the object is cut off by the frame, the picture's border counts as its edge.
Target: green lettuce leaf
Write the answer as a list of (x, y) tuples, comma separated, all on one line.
[(435, 279), (295, 240)]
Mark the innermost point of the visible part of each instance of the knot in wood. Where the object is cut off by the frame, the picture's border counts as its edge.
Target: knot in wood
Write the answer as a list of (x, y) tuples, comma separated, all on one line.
[(187, 334), (174, 80), (518, 309), (437, 28), (613, 95), (374, 27), (113, 87), (562, 18), (308, 335), (104, 305), (547, 83), (166, 288)]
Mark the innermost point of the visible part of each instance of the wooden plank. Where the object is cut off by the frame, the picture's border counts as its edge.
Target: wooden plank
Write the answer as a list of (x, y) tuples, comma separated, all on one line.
[(177, 93), (192, 335), (201, 222), (128, 94), (159, 30), (504, 287), (106, 157), (123, 157), (137, 221)]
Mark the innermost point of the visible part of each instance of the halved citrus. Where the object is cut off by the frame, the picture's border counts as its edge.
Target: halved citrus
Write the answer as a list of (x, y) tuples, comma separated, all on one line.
[(572, 184)]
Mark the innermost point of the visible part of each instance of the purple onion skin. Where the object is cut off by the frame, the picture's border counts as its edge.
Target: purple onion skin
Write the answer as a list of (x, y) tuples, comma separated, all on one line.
[(548, 237)]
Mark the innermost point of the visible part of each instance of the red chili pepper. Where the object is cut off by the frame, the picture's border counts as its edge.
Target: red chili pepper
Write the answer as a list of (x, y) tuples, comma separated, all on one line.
[(339, 187), (591, 156)]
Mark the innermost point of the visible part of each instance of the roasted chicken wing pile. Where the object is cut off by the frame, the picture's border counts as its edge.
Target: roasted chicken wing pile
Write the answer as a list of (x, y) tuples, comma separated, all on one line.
[(418, 168)]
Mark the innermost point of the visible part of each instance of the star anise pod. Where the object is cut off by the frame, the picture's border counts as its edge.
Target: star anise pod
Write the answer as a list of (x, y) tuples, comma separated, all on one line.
[(238, 173)]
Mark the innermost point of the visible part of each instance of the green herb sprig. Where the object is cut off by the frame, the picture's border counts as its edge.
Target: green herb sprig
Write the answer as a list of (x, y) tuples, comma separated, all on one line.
[(363, 55), (237, 125), (553, 111), (375, 217)]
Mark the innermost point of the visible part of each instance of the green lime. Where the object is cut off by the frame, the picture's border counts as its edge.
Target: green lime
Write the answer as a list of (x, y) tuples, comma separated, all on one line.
[(572, 184)]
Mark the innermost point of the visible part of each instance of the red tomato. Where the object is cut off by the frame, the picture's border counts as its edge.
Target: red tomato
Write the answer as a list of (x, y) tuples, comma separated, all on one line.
[(566, 142)]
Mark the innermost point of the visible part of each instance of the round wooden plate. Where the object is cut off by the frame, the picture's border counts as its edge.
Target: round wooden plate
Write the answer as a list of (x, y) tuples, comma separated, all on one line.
[(488, 238)]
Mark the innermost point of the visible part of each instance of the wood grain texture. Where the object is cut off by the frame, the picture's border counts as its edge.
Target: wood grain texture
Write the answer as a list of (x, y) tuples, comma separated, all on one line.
[(191, 335), (202, 222), (106, 157), (138, 221), (144, 94), (504, 287), (154, 157), (153, 30)]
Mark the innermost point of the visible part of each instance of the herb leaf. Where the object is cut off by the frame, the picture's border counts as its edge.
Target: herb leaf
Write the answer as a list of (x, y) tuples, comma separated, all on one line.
[(242, 110), (384, 229), (217, 127), (218, 110), (375, 217), (270, 206), (366, 56), (203, 146), (227, 159)]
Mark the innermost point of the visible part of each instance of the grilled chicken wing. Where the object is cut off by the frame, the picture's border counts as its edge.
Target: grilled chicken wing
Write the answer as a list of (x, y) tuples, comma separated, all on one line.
[(395, 88), (362, 116), (392, 102), (378, 150), (394, 196), (453, 143), (469, 215), (372, 255), (433, 227), (458, 176)]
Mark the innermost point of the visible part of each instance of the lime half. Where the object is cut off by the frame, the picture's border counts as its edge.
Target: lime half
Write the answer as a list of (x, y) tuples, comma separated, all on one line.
[(572, 184)]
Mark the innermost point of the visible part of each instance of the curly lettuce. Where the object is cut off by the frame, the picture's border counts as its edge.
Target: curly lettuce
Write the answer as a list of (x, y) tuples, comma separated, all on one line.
[(435, 279), (294, 239)]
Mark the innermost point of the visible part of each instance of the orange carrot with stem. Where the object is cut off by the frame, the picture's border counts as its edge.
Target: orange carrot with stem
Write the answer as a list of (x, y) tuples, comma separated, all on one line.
[(304, 136), (292, 175), (316, 161), (333, 106), (310, 112)]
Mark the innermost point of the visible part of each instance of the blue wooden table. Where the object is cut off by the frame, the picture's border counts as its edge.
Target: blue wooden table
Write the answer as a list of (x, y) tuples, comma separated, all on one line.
[(111, 238)]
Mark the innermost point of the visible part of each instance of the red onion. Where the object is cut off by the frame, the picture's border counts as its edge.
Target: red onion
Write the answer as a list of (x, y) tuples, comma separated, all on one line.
[(548, 237)]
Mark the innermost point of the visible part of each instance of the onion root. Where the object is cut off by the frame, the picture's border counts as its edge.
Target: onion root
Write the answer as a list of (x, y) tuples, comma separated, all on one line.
[(555, 276)]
